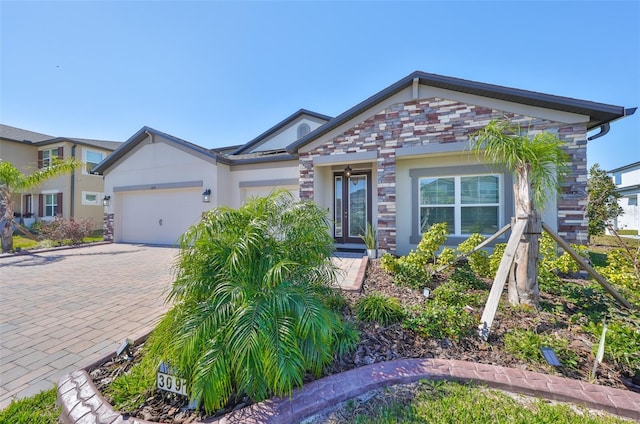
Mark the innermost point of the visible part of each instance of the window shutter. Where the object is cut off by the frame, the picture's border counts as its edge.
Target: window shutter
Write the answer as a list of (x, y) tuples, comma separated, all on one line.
[(59, 209), (41, 204), (60, 152), (39, 159)]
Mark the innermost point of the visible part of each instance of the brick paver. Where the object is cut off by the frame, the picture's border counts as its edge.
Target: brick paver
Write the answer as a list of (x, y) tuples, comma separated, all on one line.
[(63, 309)]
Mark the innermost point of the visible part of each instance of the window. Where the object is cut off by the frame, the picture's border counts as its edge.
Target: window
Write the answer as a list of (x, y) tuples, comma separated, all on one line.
[(47, 157), (468, 204), (91, 159), (303, 129), (92, 198), (51, 204)]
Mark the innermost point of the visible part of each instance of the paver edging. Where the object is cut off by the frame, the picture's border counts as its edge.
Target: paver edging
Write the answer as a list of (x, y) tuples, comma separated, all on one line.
[(52, 249), (80, 399)]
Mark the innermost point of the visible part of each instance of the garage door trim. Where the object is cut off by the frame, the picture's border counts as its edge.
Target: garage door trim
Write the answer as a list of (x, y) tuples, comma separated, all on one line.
[(159, 186)]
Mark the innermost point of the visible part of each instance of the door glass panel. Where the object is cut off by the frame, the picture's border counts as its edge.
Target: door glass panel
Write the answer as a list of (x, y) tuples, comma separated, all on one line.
[(357, 205), (337, 207)]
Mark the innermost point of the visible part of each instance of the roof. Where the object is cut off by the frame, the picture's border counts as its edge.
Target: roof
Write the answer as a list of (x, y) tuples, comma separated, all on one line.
[(17, 134), (37, 139), (141, 135), (599, 113), (629, 167), (280, 125)]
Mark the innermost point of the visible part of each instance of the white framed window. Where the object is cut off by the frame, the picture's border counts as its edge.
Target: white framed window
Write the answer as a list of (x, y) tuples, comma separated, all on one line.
[(50, 204), (468, 204), (91, 159), (92, 198), (48, 157)]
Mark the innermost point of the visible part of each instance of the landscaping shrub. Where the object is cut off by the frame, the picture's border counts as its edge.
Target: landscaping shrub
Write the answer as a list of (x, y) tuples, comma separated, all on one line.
[(526, 344), (441, 320), (622, 342), (377, 307), (66, 231), (249, 315), (495, 258), (411, 270), (619, 271), (478, 261)]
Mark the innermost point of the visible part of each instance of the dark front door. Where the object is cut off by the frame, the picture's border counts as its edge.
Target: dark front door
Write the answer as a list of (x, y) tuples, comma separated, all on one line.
[(352, 206)]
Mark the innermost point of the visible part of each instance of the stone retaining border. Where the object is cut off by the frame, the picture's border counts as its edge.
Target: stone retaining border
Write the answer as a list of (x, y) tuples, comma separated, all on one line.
[(82, 404)]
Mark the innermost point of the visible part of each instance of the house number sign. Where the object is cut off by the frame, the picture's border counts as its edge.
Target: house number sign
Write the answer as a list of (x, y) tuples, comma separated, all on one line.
[(167, 381)]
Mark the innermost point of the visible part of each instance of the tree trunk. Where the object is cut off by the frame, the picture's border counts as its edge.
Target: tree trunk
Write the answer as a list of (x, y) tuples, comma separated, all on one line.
[(523, 277), (6, 223)]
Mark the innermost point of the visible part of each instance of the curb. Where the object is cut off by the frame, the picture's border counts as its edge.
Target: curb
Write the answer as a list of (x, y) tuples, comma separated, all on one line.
[(82, 404)]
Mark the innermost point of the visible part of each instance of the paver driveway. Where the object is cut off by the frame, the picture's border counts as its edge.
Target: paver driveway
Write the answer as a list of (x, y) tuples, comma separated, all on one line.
[(62, 310)]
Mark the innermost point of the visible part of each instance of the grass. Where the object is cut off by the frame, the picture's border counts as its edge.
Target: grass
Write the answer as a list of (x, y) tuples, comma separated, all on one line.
[(38, 409), (449, 402)]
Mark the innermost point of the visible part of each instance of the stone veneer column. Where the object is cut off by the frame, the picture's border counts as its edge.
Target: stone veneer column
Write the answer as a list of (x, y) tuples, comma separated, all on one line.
[(107, 227), (387, 200)]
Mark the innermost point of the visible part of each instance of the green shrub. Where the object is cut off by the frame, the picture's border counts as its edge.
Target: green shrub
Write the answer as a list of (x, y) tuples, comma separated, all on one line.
[(622, 342), (250, 315), (440, 320), (526, 344), (447, 256), (411, 270), (495, 258), (431, 241), (620, 272), (377, 307), (478, 261), (466, 279)]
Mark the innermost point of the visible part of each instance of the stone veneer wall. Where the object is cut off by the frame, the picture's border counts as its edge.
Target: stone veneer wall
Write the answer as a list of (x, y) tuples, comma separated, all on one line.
[(107, 227), (437, 120)]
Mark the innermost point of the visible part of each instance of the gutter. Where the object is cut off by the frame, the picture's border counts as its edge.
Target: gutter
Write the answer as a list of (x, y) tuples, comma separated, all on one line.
[(604, 128)]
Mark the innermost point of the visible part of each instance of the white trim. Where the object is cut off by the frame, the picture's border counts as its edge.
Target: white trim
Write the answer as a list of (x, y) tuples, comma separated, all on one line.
[(98, 201)]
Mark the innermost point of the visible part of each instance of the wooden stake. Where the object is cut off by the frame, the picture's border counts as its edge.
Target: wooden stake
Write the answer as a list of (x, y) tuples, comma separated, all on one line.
[(501, 277), (584, 265)]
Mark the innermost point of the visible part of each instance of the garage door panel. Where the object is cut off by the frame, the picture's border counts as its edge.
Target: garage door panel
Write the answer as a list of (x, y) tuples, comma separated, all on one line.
[(158, 216)]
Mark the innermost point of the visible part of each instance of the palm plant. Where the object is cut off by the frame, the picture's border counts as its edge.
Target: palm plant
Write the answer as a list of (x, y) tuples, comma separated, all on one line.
[(250, 316), (13, 181), (539, 163)]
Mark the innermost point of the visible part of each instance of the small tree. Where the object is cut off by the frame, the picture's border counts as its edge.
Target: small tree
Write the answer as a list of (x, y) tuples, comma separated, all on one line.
[(538, 161), (602, 200), (603, 209), (250, 315), (13, 181)]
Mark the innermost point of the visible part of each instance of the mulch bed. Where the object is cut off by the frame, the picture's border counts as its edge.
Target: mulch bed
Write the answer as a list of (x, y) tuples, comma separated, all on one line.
[(386, 343)]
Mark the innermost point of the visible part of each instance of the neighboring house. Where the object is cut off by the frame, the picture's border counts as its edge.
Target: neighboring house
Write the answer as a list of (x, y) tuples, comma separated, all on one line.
[(77, 195), (627, 181), (400, 159)]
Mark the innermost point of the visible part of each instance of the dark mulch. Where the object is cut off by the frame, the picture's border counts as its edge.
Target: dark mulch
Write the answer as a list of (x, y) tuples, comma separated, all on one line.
[(380, 343)]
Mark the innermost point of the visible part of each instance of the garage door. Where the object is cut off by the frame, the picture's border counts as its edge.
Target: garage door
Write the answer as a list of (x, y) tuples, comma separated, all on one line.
[(158, 216)]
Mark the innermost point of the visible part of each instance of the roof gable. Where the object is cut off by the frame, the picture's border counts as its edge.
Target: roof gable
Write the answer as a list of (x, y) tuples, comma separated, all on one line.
[(141, 135), (599, 114), (263, 139)]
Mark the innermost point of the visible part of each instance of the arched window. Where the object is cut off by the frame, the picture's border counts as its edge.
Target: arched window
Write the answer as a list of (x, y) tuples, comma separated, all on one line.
[(303, 129)]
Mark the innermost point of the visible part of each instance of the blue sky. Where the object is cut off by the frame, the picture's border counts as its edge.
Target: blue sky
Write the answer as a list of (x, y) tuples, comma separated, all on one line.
[(221, 73)]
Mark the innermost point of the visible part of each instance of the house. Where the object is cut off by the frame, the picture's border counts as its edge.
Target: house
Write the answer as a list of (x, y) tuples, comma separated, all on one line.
[(399, 159), (627, 181), (77, 195)]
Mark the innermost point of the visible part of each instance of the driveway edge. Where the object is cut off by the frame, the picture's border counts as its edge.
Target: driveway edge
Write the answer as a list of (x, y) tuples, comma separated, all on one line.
[(81, 402)]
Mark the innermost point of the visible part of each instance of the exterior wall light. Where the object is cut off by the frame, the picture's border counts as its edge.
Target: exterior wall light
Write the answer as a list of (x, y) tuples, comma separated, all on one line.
[(206, 196), (347, 171), (105, 200)]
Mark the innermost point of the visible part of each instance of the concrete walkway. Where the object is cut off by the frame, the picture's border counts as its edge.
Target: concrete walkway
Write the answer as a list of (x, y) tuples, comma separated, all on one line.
[(62, 310)]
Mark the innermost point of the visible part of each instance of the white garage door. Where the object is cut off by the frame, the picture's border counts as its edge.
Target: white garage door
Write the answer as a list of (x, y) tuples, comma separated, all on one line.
[(158, 216)]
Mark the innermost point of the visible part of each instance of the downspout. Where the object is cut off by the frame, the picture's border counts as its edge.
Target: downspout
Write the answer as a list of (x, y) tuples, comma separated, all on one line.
[(73, 184)]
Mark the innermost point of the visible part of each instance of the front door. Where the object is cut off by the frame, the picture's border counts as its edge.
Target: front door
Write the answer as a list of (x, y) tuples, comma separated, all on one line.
[(352, 206)]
